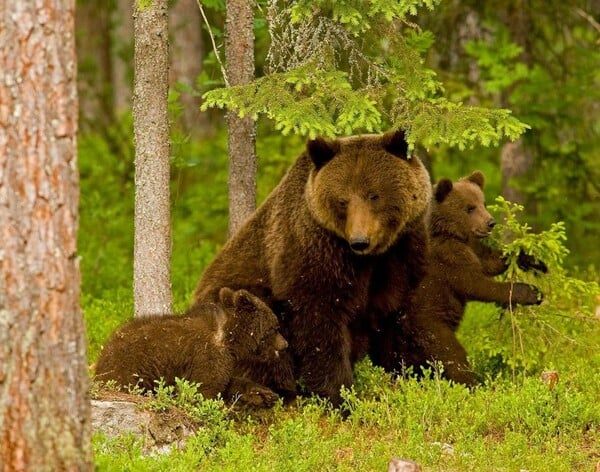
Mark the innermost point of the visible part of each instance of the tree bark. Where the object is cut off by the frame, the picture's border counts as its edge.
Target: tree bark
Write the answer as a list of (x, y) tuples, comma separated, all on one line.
[(96, 106), (152, 246), (187, 53), (239, 55), (516, 161), (122, 53), (44, 404)]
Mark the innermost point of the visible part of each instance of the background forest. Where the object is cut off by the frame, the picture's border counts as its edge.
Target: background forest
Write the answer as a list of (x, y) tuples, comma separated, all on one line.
[(539, 59)]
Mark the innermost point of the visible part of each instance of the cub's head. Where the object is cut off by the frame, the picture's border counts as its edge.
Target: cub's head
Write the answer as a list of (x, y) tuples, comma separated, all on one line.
[(459, 208), (366, 189), (252, 328)]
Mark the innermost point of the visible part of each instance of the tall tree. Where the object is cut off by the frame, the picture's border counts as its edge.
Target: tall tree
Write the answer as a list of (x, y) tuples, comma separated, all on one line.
[(152, 245), (44, 404), (239, 56), (96, 110), (187, 53), (122, 52)]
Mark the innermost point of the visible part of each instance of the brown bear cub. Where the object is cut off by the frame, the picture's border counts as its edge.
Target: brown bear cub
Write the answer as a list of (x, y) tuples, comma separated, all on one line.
[(336, 246), (204, 346), (460, 269)]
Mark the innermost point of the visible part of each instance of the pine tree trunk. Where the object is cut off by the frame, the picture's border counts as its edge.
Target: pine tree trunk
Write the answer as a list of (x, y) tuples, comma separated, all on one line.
[(517, 159), (187, 53), (96, 107), (44, 404), (239, 53), (152, 246), (516, 162), (122, 53)]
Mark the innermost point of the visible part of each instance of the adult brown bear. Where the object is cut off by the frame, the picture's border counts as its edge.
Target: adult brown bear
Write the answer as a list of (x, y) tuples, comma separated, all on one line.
[(460, 268), (338, 244)]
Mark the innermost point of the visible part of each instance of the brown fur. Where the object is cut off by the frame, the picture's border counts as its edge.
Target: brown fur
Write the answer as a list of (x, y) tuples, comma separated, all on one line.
[(337, 245), (203, 346), (460, 269)]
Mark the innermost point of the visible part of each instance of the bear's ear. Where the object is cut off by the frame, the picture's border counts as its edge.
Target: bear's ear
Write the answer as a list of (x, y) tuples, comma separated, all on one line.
[(395, 143), (243, 301), (477, 178), (442, 189), (322, 150), (226, 297)]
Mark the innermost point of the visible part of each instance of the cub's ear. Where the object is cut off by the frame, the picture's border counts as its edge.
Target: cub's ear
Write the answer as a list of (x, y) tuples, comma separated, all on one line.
[(322, 150), (442, 189), (395, 143), (477, 178), (243, 301), (226, 297)]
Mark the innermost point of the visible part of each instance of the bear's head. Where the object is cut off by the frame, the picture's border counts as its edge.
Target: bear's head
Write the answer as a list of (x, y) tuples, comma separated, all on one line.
[(366, 189), (252, 328), (459, 210)]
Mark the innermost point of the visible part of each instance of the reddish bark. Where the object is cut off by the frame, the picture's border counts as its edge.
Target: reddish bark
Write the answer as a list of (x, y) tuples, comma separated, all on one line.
[(44, 406)]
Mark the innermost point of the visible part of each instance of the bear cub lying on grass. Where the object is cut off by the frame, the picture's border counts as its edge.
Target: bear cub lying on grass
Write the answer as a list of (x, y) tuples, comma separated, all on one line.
[(205, 345), (460, 268)]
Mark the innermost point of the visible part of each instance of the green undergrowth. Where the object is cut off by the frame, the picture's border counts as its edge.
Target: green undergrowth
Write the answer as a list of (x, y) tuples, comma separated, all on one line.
[(501, 425)]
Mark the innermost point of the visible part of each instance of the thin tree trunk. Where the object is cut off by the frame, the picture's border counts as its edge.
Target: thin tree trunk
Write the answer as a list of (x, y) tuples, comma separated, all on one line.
[(96, 107), (122, 52), (239, 54), (516, 161), (152, 247), (187, 53), (44, 404)]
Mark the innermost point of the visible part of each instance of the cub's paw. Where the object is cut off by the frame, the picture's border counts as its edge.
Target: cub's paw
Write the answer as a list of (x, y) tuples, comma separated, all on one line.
[(525, 294), (258, 397), (527, 262)]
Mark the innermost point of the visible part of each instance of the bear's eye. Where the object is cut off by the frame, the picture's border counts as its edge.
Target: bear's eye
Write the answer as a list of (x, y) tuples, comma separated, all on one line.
[(373, 197), (470, 209), (342, 204)]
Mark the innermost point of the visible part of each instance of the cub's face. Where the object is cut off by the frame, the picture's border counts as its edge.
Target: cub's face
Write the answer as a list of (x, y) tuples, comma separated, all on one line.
[(459, 208), (270, 346), (252, 326), (366, 189)]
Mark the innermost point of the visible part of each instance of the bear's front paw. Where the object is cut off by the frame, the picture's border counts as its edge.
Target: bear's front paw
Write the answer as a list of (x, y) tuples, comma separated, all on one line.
[(259, 397), (525, 294), (527, 262)]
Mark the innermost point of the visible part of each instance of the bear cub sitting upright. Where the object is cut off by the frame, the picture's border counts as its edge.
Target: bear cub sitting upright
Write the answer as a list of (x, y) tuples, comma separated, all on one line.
[(460, 268), (204, 346)]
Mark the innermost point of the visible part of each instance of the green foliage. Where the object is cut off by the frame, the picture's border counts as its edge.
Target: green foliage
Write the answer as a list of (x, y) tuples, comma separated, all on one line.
[(143, 4), (519, 339), (548, 246), (357, 18), (106, 211), (345, 67), (185, 396), (438, 424), (550, 80), (499, 61)]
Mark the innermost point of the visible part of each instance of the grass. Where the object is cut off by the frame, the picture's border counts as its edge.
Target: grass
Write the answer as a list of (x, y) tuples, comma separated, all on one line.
[(506, 424), (441, 426)]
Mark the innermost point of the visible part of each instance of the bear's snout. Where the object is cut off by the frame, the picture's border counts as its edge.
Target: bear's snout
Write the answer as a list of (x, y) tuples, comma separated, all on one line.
[(491, 223), (280, 343), (359, 243)]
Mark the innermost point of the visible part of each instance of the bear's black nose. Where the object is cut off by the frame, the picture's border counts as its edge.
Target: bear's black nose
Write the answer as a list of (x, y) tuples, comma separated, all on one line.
[(359, 244), (491, 223)]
